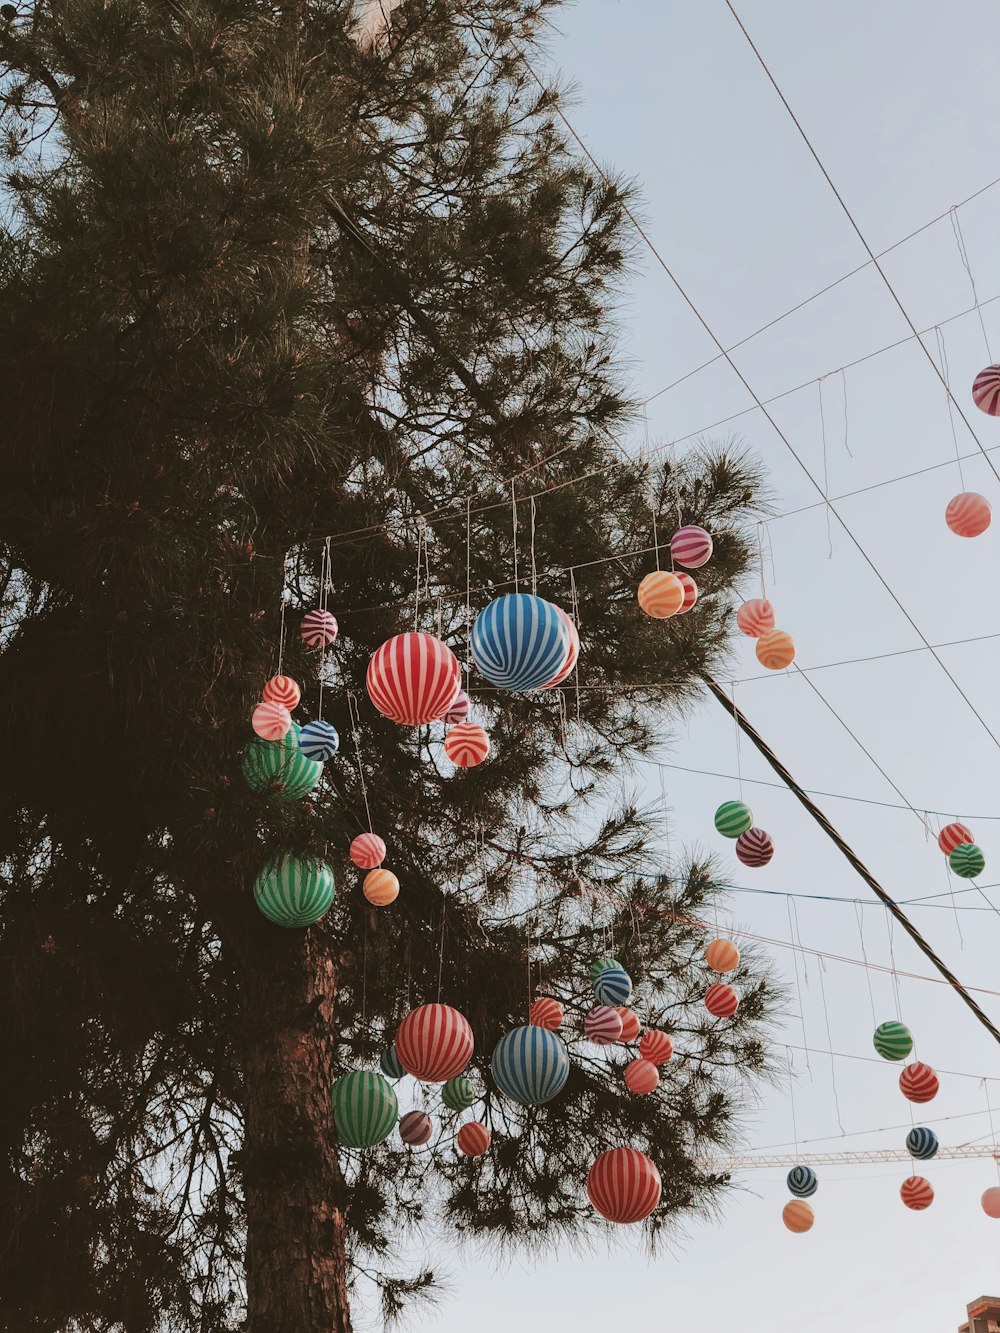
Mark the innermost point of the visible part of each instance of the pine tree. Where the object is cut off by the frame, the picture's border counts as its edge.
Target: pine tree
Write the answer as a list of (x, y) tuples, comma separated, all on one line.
[(280, 307)]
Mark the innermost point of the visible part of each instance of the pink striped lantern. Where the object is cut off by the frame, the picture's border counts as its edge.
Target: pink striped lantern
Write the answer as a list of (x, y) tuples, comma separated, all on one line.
[(466, 744), (318, 629), (572, 652), (367, 851), (721, 1000), (755, 847), (986, 391), (458, 709), (991, 1201), (642, 1077), (603, 1025), (756, 617), (416, 1128), (691, 546), (434, 1043), (952, 836), (655, 1046), (413, 679), (968, 514), (919, 1083), (271, 721), (916, 1192), (624, 1185), (473, 1139), (631, 1027), (690, 591), (546, 1013), (282, 690)]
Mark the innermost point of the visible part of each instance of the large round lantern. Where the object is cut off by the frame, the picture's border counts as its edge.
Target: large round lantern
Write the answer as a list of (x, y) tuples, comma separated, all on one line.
[(655, 1046), (434, 1043), (624, 1185), (293, 891), (520, 642), (991, 1201), (691, 546), (413, 678), (603, 1025), (722, 956), (613, 987), (733, 818), (473, 1139), (364, 1109), (642, 1077), (721, 1000), (389, 1064), (367, 851), (280, 768), (755, 617), (952, 836), (755, 847), (380, 887), (916, 1193), (282, 690), (458, 1094), (967, 861), (416, 1128), (797, 1216), (919, 1083), (922, 1143), (318, 629), (466, 744), (546, 1013), (530, 1065), (968, 514), (319, 740), (892, 1040), (661, 594), (271, 721), (631, 1027), (775, 650), (986, 391), (572, 653), (802, 1182)]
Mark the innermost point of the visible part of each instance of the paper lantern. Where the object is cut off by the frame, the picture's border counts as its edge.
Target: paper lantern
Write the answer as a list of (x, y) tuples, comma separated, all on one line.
[(389, 1064), (458, 709), (893, 1041), (775, 650), (655, 1046), (600, 965), (642, 1077), (952, 836), (802, 1182), (624, 1185), (691, 547), (365, 1109), (530, 1065), (520, 642), (690, 592), (613, 987), (271, 722), (319, 740), (661, 594), (318, 629), (546, 1013), (721, 1000), (986, 391), (434, 1043), (968, 514), (916, 1193), (473, 1139), (755, 847), (967, 860), (293, 891), (733, 818), (416, 1128), (466, 744), (572, 653), (413, 678), (755, 617), (991, 1201), (722, 956), (603, 1025), (367, 851), (797, 1216), (282, 690), (919, 1083), (280, 768), (380, 887), (922, 1143), (458, 1094), (631, 1027)]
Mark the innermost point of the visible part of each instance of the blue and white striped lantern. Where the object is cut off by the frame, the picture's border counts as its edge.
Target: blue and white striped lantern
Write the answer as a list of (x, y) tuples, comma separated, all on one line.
[(613, 987), (802, 1181), (319, 741), (922, 1143), (389, 1064), (519, 642), (530, 1065)]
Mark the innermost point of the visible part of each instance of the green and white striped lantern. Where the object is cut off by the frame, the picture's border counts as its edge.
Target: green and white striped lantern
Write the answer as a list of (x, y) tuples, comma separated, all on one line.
[(893, 1041), (365, 1109), (458, 1094), (600, 965), (967, 860), (389, 1064), (733, 818), (294, 891), (281, 767)]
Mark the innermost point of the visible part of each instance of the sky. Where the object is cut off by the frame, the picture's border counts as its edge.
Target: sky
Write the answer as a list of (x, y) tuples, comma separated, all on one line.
[(902, 102)]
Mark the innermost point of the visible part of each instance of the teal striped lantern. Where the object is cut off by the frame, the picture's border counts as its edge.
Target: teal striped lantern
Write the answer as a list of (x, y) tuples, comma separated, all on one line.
[(365, 1109), (967, 861), (893, 1041), (458, 1094), (389, 1064), (733, 818), (280, 767), (292, 891), (600, 965), (530, 1065)]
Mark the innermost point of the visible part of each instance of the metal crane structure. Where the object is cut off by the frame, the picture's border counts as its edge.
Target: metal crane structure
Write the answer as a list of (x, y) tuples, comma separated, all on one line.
[(751, 1160)]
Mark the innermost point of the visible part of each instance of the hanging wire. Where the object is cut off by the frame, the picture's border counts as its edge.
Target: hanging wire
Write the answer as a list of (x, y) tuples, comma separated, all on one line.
[(281, 631), (513, 512), (739, 749), (843, 383), (352, 709), (868, 972), (534, 571), (946, 375), (829, 1042), (956, 226), (325, 587), (468, 587), (791, 1095), (444, 905), (826, 470), (796, 950), (993, 1139)]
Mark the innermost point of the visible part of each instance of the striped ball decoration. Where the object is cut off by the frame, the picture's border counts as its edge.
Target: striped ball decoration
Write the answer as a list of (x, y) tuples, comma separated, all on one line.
[(967, 861), (413, 678), (613, 987), (802, 1182), (458, 1094), (600, 965), (318, 629), (986, 391), (721, 1000), (922, 1143), (952, 836), (389, 1064), (755, 617), (655, 1046), (282, 690), (775, 650), (631, 1027), (416, 1128), (473, 1139), (434, 1043), (733, 818), (754, 848), (530, 1065), (280, 767), (892, 1040), (367, 851), (365, 1109), (991, 1201), (603, 1025), (968, 514), (458, 709), (642, 1077), (546, 1013), (722, 956), (797, 1216), (294, 892), (380, 887), (271, 722), (691, 547), (520, 642), (919, 1083), (660, 594), (624, 1185), (917, 1193), (466, 744), (319, 740), (572, 653), (690, 592)]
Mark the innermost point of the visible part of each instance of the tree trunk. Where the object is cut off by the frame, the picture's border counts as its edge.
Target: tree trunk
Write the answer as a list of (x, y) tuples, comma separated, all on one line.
[(296, 1262)]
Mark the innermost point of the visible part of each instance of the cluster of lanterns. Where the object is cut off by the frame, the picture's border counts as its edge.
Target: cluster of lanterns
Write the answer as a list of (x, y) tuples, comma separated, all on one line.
[(918, 1083), (969, 513), (964, 857), (665, 593), (775, 647), (721, 1000), (754, 847)]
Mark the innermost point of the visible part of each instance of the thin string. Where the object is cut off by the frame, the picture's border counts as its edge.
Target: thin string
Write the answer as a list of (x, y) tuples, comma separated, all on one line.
[(760, 559), (791, 1095), (829, 1042), (513, 512), (534, 571), (868, 974), (444, 905), (798, 984), (993, 1138), (826, 471), (421, 527), (739, 750), (352, 708), (468, 586), (364, 991), (892, 967), (574, 603), (963, 254), (325, 587), (946, 376), (281, 632), (843, 383)]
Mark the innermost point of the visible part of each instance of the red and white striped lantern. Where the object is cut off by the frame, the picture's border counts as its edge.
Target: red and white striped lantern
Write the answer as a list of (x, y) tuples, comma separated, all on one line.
[(473, 1139), (631, 1027), (919, 1083), (952, 836), (434, 1043), (466, 744), (691, 546), (413, 679), (271, 721), (655, 1046), (721, 1000), (755, 847), (756, 617), (318, 629), (282, 690), (572, 652), (624, 1185), (546, 1013), (367, 851), (416, 1128), (690, 591), (968, 514), (642, 1077), (603, 1025), (916, 1192), (986, 391)]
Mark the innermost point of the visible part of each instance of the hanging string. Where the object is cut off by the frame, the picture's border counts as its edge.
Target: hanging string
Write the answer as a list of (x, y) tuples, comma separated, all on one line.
[(760, 558), (826, 472), (798, 985), (868, 974), (468, 586), (843, 384), (791, 1095), (364, 990), (829, 1042), (574, 605), (355, 719), (444, 905), (963, 254), (421, 538), (892, 967), (513, 512), (325, 588), (943, 359), (534, 572), (739, 750), (281, 632), (993, 1137)]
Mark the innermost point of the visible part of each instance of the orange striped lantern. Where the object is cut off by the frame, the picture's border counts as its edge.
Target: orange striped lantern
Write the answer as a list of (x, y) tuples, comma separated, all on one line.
[(473, 1139), (367, 851), (546, 1013), (381, 887), (775, 650), (797, 1216), (721, 1000), (755, 617), (916, 1192), (722, 956), (661, 594), (572, 653), (631, 1026), (603, 1025), (690, 591), (655, 1046), (952, 836), (986, 391), (919, 1083), (466, 744), (271, 721), (413, 679), (282, 690), (624, 1185), (968, 514), (642, 1077), (434, 1043)]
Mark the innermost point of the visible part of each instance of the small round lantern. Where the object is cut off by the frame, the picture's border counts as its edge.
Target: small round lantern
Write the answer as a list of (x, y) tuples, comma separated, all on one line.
[(631, 1027), (546, 1013), (364, 1109), (655, 1046), (755, 617), (318, 629), (916, 1193), (600, 965), (380, 887), (733, 818), (613, 987), (986, 391), (721, 1000), (802, 1182), (797, 1216), (413, 678), (603, 1025), (389, 1064), (520, 642), (722, 956), (967, 861), (271, 722), (416, 1128), (776, 650), (755, 847), (367, 851), (991, 1201), (319, 741), (892, 1040), (293, 891), (660, 594), (434, 1043), (466, 744), (473, 1139), (458, 1094), (691, 547), (968, 514), (530, 1065), (922, 1143), (642, 1077), (919, 1083), (458, 709), (282, 690), (624, 1185), (952, 836), (690, 592)]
